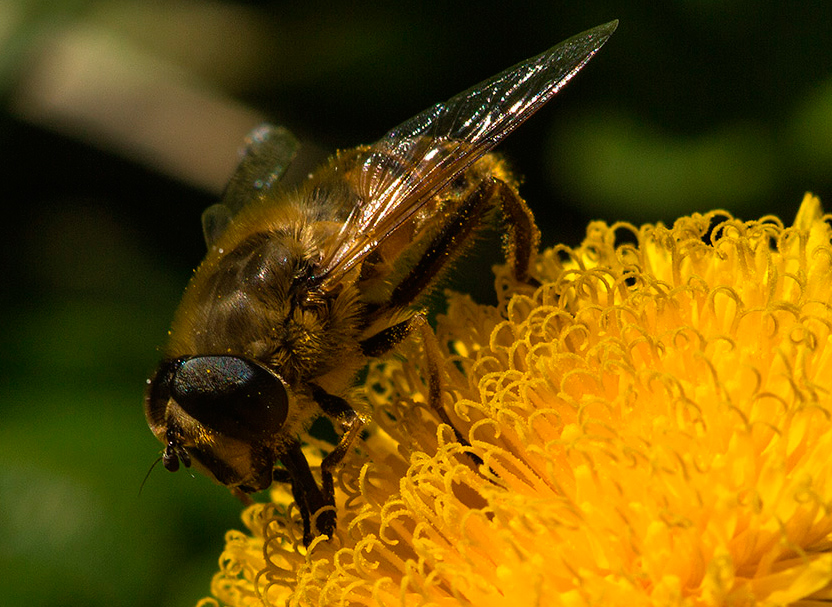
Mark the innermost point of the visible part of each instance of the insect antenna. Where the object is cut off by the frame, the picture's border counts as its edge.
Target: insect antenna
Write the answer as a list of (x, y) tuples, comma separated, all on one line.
[(147, 476)]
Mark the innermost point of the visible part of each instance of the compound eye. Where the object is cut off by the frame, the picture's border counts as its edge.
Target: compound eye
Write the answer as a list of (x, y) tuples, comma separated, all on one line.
[(157, 396), (234, 396)]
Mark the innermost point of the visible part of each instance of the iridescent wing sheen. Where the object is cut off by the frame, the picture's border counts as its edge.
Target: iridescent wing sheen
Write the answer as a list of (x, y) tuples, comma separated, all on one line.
[(268, 152), (414, 161)]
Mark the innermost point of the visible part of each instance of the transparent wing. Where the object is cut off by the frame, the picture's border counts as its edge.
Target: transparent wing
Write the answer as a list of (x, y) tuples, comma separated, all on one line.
[(268, 152), (414, 161)]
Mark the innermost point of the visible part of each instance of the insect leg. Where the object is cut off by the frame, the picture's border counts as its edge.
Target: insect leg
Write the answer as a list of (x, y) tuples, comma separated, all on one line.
[(522, 235), (312, 501), (385, 340), (351, 423), (448, 242), (308, 497), (432, 356), (522, 238)]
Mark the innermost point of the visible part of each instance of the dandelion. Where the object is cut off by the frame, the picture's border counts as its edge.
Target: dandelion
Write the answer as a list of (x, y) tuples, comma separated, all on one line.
[(652, 425)]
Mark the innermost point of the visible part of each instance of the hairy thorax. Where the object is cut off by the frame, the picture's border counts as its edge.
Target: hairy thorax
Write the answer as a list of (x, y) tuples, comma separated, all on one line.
[(254, 295)]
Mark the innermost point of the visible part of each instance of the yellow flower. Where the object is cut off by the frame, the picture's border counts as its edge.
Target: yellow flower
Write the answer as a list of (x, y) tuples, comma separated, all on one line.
[(655, 427)]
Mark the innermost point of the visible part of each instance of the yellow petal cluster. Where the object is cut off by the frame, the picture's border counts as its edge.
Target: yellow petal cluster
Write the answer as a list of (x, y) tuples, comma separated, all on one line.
[(650, 426)]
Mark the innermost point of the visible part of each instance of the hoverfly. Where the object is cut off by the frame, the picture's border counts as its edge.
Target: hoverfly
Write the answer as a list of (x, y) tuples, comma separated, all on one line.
[(299, 289)]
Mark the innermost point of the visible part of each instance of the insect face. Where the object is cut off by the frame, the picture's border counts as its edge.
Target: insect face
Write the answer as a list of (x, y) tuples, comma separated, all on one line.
[(220, 413)]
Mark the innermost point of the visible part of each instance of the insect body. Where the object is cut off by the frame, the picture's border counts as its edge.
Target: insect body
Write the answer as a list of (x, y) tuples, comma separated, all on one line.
[(300, 288)]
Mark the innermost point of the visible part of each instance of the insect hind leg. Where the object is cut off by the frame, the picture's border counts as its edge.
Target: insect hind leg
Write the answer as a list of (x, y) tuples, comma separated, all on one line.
[(521, 238)]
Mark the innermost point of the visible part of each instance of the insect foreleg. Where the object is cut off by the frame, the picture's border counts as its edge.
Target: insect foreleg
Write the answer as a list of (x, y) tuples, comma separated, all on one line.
[(351, 423), (308, 497)]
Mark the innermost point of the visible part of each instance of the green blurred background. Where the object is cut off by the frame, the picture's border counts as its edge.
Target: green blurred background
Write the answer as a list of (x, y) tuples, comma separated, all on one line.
[(121, 121)]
